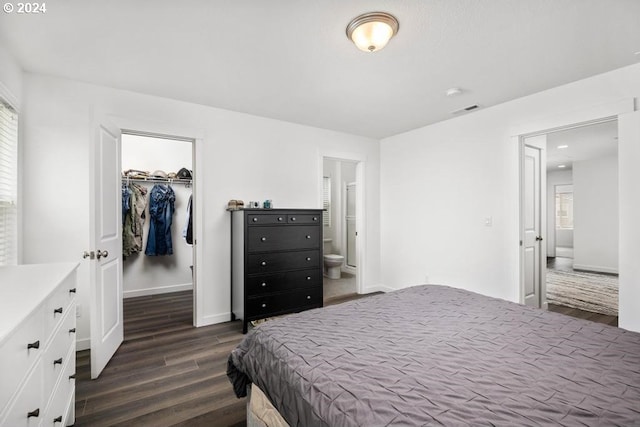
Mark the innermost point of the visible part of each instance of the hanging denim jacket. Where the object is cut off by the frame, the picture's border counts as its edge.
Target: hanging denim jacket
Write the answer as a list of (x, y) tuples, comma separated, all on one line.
[(161, 208)]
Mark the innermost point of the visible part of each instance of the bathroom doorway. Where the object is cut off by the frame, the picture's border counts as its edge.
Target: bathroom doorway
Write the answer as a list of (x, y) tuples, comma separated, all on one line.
[(340, 236)]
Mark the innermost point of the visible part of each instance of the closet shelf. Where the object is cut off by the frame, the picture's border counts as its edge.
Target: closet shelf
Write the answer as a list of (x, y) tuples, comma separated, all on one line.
[(154, 179)]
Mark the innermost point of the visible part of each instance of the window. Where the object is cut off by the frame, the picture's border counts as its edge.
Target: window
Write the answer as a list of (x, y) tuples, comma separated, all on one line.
[(326, 201), (564, 207), (8, 185)]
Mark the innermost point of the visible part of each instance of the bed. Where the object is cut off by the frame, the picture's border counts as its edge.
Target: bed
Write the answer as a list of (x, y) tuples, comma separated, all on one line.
[(437, 355)]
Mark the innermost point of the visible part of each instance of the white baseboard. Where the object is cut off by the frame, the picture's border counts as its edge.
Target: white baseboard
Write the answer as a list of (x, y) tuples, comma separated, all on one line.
[(83, 344), (595, 268), (377, 288), (158, 290), (212, 319)]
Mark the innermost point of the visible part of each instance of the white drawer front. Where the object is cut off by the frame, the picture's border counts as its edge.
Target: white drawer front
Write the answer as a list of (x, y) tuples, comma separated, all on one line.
[(58, 303), (58, 351), (15, 356), (61, 407), (29, 406)]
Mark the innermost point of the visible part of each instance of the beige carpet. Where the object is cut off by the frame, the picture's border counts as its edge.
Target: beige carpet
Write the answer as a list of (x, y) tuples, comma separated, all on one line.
[(593, 292)]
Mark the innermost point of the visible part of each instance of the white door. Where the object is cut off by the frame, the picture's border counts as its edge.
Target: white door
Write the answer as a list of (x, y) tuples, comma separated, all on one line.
[(533, 220), (106, 230)]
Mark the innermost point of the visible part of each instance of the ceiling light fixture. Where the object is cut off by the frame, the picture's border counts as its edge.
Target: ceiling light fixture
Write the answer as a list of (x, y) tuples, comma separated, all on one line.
[(372, 31), (562, 166), (563, 146)]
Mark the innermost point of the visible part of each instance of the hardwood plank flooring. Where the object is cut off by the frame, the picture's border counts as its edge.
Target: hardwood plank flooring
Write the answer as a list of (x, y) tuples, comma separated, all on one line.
[(168, 373)]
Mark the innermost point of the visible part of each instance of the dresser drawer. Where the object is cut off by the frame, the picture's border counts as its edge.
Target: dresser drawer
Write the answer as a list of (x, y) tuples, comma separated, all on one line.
[(269, 305), (275, 262), (266, 283), (262, 218), (58, 304), (304, 219), (29, 405), (55, 357), (16, 358), (59, 407), (282, 238)]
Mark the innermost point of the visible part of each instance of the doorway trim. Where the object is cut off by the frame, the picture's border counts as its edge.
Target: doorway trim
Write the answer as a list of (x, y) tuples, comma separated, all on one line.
[(360, 161), (570, 120), (196, 136)]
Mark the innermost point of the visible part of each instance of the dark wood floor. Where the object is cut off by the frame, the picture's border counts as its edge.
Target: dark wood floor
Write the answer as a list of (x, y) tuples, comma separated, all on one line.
[(168, 373)]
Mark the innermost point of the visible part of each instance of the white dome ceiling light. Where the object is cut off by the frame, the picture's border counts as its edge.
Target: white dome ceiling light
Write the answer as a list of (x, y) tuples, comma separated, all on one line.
[(372, 31)]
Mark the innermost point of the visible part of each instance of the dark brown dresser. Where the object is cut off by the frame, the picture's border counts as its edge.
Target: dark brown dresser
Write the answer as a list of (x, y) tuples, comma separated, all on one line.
[(276, 262)]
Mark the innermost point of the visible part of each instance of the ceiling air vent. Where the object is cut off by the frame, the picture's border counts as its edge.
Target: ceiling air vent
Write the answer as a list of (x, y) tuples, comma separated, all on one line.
[(465, 109)]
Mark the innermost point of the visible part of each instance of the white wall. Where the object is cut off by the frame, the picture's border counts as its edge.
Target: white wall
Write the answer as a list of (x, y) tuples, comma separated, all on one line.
[(595, 219), (243, 157), (10, 77), (554, 178), (439, 182), (148, 275)]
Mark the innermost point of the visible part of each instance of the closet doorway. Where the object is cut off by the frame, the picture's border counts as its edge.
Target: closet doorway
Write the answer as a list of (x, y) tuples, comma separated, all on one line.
[(158, 227)]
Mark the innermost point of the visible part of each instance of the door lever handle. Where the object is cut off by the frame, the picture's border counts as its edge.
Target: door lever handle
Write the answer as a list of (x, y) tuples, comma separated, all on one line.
[(539, 238)]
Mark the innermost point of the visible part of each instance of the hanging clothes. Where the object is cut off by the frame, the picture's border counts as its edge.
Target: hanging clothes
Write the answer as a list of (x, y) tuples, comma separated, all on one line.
[(134, 204), (161, 207), (187, 231)]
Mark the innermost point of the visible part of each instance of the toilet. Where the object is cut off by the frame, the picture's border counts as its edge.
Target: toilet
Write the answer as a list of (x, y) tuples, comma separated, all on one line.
[(332, 262)]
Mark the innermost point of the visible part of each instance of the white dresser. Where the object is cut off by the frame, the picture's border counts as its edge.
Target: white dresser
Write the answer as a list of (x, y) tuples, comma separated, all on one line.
[(37, 345)]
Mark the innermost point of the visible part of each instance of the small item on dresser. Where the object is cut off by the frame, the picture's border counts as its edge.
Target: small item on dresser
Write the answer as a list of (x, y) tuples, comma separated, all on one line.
[(254, 205), (267, 204), (234, 205)]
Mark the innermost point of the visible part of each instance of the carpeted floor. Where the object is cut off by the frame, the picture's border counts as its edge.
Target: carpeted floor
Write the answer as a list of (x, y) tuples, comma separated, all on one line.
[(593, 292)]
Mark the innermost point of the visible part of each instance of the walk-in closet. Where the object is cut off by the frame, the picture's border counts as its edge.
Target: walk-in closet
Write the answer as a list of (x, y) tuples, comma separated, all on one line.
[(157, 184)]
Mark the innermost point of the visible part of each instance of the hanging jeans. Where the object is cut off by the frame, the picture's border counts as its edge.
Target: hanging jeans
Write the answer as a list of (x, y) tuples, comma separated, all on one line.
[(161, 207)]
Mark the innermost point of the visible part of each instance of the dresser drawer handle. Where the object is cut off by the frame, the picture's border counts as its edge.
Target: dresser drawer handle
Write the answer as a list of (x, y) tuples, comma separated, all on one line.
[(307, 236), (308, 277), (35, 345), (72, 330), (315, 218), (72, 290), (72, 376), (263, 239), (35, 413), (263, 263), (57, 362), (57, 419), (264, 305), (57, 310), (308, 296), (264, 285), (280, 218), (293, 218), (255, 219), (308, 258)]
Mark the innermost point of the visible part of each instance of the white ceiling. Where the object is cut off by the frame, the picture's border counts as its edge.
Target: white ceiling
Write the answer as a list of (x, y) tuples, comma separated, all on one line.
[(584, 143), (291, 60)]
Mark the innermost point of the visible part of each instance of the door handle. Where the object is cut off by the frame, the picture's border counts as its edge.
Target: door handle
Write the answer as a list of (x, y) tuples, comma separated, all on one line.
[(102, 254), (539, 238)]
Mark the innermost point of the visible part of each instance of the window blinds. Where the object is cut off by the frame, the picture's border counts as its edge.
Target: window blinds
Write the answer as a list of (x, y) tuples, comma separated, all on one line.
[(8, 185)]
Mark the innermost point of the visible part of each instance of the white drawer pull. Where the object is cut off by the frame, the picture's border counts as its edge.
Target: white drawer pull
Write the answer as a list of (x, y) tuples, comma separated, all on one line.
[(308, 277), (255, 219), (280, 218), (308, 296), (264, 305), (308, 258), (263, 239), (264, 285), (293, 219), (308, 237), (263, 263)]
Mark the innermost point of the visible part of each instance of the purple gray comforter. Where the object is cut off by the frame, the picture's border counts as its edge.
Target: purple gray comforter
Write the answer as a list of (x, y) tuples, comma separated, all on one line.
[(435, 355)]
